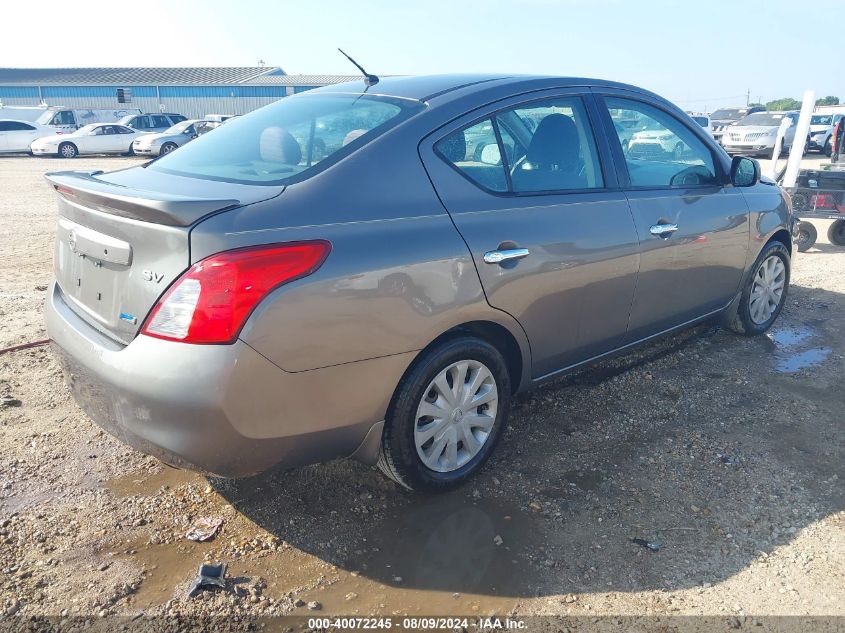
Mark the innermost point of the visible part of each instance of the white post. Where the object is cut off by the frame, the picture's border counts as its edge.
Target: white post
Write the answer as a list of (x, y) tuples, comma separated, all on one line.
[(799, 140), (773, 166)]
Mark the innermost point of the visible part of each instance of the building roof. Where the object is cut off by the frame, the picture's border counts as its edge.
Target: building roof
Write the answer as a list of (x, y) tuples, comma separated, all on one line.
[(302, 80), (138, 76)]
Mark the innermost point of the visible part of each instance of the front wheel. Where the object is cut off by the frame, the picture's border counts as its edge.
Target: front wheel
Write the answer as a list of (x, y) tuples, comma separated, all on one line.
[(167, 148), (764, 294), (68, 150), (446, 415), (836, 233)]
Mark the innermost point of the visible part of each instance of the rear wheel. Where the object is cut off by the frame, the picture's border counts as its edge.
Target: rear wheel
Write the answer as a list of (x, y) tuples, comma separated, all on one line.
[(68, 150), (827, 150), (807, 236), (446, 415), (167, 148), (765, 291), (836, 233)]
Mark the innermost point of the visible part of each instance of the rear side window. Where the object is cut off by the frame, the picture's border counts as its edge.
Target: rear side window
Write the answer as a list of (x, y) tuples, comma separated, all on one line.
[(545, 146), (289, 140), (160, 121), (177, 118), (659, 150), (475, 152)]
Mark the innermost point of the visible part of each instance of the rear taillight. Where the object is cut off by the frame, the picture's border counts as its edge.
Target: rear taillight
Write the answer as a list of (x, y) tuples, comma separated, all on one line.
[(213, 299)]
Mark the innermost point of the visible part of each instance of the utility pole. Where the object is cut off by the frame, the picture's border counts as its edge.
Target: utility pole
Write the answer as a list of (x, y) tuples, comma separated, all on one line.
[(748, 97)]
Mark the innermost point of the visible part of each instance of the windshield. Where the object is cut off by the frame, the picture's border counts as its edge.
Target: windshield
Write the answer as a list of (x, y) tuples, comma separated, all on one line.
[(763, 118), (288, 140), (179, 127), (729, 114), (821, 119), (86, 129)]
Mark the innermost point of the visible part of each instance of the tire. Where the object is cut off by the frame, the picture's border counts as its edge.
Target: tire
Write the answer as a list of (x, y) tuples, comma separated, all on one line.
[(400, 458), (167, 148), (807, 236), (130, 151), (752, 315), (827, 150), (68, 150), (836, 233)]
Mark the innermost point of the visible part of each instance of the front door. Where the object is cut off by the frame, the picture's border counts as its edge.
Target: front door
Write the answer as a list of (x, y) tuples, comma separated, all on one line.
[(552, 236), (692, 224)]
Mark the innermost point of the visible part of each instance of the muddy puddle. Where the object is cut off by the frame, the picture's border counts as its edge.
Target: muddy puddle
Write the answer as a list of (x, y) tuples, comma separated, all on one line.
[(446, 555), (796, 348), (144, 483)]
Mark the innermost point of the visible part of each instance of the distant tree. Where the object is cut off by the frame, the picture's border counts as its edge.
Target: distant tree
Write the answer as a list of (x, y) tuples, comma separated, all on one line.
[(787, 103), (753, 105), (827, 101)]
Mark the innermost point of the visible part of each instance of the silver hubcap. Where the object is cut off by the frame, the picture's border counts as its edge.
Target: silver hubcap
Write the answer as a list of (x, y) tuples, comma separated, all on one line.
[(767, 291), (67, 150), (456, 415), (167, 149)]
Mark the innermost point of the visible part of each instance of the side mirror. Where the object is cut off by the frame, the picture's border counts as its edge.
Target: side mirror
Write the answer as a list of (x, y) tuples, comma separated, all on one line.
[(745, 172), (490, 154)]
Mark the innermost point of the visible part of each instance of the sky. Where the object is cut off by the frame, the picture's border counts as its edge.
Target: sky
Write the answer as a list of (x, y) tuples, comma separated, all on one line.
[(699, 54)]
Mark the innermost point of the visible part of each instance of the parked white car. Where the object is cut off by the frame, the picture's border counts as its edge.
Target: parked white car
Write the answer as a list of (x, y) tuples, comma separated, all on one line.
[(821, 132), (755, 134), (656, 141), (17, 136), (704, 121), (98, 138)]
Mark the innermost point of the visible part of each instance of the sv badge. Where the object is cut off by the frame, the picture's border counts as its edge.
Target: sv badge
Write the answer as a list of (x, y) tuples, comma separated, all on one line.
[(151, 275)]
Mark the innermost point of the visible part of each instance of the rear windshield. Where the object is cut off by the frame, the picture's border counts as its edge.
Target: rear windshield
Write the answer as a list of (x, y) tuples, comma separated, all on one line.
[(289, 140)]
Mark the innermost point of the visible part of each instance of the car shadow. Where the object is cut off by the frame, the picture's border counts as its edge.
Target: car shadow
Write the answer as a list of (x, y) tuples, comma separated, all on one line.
[(672, 467)]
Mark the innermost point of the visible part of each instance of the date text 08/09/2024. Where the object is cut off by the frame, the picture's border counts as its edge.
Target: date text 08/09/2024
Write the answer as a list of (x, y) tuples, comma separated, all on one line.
[(433, 623)]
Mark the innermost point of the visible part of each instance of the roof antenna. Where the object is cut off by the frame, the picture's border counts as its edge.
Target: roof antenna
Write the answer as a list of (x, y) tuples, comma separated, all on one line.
[(369, 80)]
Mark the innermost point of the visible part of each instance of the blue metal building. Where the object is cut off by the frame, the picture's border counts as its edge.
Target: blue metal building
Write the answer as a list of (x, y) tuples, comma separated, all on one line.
[(193, 92)]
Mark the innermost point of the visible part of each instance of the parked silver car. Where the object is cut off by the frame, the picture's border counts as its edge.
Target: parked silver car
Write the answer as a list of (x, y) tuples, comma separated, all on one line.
[(151, 122), (165, 142), (249, 302), (755, 135)]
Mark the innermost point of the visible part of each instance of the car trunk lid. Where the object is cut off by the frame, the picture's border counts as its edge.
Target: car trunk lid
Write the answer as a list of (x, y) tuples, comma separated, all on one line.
[(124, 237)]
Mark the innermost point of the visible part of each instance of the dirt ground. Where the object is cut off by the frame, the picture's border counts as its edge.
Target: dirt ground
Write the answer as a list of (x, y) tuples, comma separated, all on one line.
[(725, 454)]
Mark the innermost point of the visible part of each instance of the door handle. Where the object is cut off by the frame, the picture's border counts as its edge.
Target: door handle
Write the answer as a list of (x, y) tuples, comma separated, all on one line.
[(663, 230), (497, 257)]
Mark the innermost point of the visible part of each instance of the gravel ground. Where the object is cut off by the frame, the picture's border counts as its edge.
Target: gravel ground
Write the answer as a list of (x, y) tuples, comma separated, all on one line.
[(725, 454)]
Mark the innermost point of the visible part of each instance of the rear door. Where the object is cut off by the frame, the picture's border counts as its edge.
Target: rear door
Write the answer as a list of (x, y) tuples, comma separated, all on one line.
[(692, 224), (552, 237)]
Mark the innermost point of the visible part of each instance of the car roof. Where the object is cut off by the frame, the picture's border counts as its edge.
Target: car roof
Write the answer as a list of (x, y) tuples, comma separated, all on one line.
[(445, 87)]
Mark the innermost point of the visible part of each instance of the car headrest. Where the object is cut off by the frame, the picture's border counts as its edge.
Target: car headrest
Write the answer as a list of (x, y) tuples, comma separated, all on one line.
[(351, 136), (555, 144), (277, 145), (454, 147)]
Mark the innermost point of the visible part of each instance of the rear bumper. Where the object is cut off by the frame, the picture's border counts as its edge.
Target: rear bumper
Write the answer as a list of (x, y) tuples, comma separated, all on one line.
[(220, 409)]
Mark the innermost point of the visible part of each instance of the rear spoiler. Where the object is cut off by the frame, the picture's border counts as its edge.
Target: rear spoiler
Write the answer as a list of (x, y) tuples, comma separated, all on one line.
[(85, 188)]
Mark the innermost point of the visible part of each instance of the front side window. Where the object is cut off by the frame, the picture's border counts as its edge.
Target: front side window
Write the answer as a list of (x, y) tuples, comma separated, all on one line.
[(659, 150), (160, 121), (288, 140), (545, 146)]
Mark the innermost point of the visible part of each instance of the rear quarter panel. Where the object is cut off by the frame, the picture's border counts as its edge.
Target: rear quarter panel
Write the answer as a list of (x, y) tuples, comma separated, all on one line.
[(769, 212), (398, 275)]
